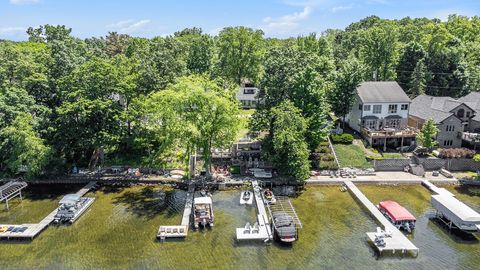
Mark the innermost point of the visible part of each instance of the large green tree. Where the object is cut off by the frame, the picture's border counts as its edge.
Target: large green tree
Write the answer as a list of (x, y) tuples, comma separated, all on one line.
[(286, 144), (21, 147), (428, 133), (240, 51)]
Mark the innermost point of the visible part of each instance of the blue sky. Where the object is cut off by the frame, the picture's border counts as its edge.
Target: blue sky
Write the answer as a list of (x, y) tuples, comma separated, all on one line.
[(278, 18)]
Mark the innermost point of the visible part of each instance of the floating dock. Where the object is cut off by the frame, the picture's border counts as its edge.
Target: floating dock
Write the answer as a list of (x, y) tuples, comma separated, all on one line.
[(435, 189), (396, 240), (29, 231), (261, 230), (179, 231)]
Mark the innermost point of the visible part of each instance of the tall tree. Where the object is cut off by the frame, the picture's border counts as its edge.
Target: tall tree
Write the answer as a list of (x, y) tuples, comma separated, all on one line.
[(347, 79), (286, 143), (240, 52), (379, 49), (418, 80), (412, 53), (22, 147)]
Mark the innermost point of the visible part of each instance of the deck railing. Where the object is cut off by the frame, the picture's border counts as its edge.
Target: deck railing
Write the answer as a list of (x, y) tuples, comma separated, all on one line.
[(390, 132)]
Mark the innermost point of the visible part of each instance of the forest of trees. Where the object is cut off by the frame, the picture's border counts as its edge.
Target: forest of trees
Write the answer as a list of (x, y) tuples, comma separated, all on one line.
[(66, 101)]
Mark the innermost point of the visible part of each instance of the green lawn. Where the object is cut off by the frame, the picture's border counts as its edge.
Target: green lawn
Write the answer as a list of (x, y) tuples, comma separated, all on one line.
[(351, 156), (392, 155)]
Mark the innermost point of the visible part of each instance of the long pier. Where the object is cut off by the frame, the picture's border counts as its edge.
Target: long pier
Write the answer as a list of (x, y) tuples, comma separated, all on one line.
[(396, 240), (30, 231), (263, 230), (179, 231)]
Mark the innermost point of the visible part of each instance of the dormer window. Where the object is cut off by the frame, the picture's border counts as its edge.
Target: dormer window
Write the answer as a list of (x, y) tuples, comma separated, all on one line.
[(461, 113)]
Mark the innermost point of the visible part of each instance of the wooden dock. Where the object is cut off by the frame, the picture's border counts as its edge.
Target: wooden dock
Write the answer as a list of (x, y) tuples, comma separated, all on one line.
[(179, 231), (30, 231), (396, 241), (435, 189), (264, 230)]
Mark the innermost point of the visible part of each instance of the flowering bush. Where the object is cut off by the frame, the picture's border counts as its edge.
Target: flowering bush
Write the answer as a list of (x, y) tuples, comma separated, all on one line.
[(455, 153)]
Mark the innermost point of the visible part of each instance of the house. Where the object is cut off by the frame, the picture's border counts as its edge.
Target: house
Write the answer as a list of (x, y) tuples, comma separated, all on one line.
[(247, 95), (473, 101), (380, 113), (453, 117)]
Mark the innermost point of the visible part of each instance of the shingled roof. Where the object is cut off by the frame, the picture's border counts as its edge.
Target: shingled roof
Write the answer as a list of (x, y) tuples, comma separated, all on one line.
[(373, 92), (438, 108)]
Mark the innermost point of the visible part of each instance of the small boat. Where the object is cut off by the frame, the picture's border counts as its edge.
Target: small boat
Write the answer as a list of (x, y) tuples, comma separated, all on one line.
[(203, 211), (284, 228), (246, 197), (72, 206), (397, 215), (269, 197)]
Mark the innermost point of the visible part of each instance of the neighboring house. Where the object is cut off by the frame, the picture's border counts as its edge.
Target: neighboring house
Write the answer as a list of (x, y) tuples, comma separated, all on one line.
[(473, 101), (247, 95), (380, 114), (452, 117)]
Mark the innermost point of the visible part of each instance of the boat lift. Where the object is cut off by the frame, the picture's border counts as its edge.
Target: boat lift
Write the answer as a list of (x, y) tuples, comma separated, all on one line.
[(11, 190)]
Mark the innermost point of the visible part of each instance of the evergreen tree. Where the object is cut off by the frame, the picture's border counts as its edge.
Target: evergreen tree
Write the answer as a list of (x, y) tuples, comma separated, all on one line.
[(418, 80), (426, 136)]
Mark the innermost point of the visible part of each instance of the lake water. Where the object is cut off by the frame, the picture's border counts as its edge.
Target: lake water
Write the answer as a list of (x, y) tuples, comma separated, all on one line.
[(118, 232)]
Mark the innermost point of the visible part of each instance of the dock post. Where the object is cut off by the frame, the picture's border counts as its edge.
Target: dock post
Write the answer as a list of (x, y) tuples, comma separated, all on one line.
[(6, 201)]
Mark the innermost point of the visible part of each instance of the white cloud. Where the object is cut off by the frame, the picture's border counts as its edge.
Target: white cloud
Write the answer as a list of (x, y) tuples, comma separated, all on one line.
[(286, 24), (23, 2), (9, 31), (129, 26), (342, 8)]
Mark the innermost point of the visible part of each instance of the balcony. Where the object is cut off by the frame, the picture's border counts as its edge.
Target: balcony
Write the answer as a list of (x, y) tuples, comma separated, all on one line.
[(390, 133), (469, 137)]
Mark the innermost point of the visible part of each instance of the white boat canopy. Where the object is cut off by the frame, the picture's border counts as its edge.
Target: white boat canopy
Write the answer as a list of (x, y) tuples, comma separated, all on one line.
[(203, 200), (458, 208), (70, 199)]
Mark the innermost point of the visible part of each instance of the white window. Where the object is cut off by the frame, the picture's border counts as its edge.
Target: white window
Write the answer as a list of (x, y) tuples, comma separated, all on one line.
[(366, 107), (404, 107), (377, 109), (392, 108)]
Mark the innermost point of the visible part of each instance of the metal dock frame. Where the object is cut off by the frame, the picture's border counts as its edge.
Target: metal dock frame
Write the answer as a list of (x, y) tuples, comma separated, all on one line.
[(398, 241), (11, 190)]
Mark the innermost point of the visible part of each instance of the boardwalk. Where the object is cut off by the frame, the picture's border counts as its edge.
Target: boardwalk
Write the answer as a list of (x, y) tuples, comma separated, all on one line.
[(30, 231), (179, 231), (398, 241)]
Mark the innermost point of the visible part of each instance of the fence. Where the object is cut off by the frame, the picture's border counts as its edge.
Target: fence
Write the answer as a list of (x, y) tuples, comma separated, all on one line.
[(429, 164)]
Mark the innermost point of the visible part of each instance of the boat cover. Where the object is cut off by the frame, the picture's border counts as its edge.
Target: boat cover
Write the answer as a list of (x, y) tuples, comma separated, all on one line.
[(203, 200), (396, 211), (456, 207)]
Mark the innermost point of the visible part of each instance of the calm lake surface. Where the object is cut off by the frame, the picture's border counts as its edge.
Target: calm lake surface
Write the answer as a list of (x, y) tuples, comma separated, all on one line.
[(118, 232)]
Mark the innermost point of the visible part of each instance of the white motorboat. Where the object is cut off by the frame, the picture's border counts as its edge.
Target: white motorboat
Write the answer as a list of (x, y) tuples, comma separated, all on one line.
[(246, 197), (268, 196)]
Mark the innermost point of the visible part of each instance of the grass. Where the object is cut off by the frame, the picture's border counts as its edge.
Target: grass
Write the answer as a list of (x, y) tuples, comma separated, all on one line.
[(351, 155), (392, 155)]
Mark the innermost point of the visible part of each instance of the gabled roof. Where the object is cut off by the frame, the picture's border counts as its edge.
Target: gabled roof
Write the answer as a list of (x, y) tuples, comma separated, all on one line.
[(472, 100), (372, 92), (428, 107)]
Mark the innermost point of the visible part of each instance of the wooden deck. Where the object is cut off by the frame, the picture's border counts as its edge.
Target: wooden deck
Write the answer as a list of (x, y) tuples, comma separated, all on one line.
[(398, 241)]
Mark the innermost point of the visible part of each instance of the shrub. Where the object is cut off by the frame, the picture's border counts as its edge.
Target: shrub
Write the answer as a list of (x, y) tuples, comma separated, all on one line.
[(327, 157), (342, 138), (324, 144), (328, 165), (476, 157), (323, 149), (455, 153)]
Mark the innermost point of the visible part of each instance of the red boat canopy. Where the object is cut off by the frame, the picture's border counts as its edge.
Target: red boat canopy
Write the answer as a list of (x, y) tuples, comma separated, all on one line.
[(396, 211)]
